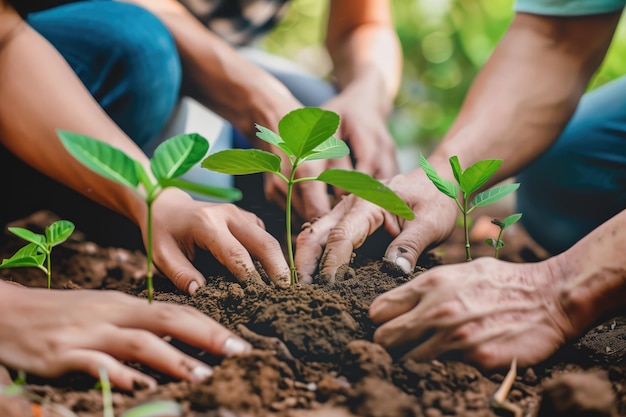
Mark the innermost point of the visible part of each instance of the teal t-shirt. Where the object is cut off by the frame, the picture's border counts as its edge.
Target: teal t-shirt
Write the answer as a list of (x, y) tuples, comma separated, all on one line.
[(568, 7)]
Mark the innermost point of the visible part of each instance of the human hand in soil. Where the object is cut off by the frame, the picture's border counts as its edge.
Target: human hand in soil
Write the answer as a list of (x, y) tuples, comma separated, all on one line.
[(489, 310), (50, 333), (352, 220), (493, 311), (231, 234)]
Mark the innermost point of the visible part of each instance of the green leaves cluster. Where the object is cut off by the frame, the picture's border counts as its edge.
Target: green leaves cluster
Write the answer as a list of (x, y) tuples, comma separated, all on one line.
[(171, 159), (469, 181), (39, 249), (306, 134)]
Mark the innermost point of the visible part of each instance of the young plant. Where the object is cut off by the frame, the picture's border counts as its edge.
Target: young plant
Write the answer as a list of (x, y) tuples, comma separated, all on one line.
[(469, 181), (498, 243), (156, 408), (171, 159), (306, 134), (39, 250)]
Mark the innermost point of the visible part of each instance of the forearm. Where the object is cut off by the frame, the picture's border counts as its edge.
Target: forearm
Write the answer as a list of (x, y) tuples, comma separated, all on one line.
[(36, 100), (365, 50), (594, 273), (218, 76), (527, 91)]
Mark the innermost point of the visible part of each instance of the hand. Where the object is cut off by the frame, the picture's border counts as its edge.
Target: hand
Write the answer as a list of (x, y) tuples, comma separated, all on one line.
[(351, 221), (231, 234), (364, 128), (50, 333), (491, 311)]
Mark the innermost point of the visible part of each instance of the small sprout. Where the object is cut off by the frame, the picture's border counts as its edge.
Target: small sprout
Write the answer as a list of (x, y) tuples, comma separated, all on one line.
[(171, 159), (469, 181), (498, 399), (158, 408), (39, 250), (107, 398), (498, 243), (306, 134)]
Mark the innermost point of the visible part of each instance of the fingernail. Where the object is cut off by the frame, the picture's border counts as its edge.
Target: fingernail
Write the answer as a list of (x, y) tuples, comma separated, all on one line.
[(235, 345), (193, 287), (404, 264), (200, 373)]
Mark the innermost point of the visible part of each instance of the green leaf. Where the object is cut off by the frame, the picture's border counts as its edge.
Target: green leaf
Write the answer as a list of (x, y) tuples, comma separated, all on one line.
[(329, 149), (177, 155), (494, 242), (368, 188), (477, 175), (512, 219), (268, 136), (242, 161), (27, 235), (447, 187), (28, 256), (492, 195), (305, 129), (59, 231), (101, 158), (457, 171), (222, 193), (272, 138), (158, 408)]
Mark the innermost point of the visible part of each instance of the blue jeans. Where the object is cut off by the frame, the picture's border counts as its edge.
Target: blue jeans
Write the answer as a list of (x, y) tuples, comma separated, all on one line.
[(123, 55), (580, 182)]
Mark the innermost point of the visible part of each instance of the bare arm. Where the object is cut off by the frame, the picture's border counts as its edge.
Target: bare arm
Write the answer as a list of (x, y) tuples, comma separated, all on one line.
[(528, 90), (365, 49)]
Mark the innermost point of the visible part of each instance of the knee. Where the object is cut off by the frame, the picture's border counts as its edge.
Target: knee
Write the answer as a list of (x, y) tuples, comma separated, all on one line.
[(144, 73), (124, 55)]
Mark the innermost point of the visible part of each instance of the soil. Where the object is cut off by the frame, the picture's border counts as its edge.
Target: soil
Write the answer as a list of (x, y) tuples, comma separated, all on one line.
[(314, 354)]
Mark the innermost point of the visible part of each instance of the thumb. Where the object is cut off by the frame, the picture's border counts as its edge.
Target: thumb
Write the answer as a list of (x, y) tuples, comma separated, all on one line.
[(406, 248)]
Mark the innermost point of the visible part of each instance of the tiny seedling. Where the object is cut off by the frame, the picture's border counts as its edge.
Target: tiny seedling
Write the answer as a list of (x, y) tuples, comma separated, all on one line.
[(171, 159), (306, 134), (157, 408), (39, 249), (498, 243), (469, 181)]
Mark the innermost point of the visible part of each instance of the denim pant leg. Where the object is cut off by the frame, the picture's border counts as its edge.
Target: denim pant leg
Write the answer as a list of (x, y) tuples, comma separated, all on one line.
[(580, 182), (125, 57)]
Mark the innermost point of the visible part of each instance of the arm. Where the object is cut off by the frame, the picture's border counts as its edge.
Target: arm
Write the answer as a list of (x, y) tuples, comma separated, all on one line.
[(367, 63), (34, 103), (494, 311), (527, 91)]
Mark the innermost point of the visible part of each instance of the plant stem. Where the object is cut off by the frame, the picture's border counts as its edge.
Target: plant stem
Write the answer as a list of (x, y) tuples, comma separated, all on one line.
[(149, 254), (498, 242), (48, 263), (107, 400), (292, 266), (468, 254)]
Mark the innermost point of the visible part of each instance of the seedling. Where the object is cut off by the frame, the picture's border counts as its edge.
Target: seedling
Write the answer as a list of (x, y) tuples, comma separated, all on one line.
[(498, 243), (306, 134), (157, 408), (469, 182), (171, 159), (39, 250)]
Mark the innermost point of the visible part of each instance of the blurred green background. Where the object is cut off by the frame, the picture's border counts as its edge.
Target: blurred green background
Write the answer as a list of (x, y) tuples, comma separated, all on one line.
[(445, 43)]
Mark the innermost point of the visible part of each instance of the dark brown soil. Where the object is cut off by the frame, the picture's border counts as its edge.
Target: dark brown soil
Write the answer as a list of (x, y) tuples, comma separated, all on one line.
[(314, 355)]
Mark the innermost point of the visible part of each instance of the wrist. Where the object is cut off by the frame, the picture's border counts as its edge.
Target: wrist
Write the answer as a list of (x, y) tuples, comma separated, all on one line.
[(587, 294)]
